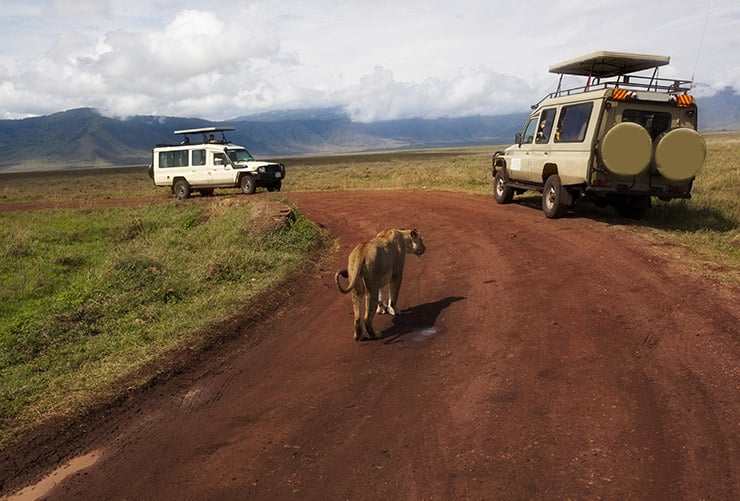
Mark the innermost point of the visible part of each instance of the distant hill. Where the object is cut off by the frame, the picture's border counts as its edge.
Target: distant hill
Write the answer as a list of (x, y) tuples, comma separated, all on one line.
[(720, 111), (85, 138)]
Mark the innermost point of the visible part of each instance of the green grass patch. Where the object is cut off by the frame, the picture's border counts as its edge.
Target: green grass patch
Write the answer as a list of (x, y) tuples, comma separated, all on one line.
[(87, 297)]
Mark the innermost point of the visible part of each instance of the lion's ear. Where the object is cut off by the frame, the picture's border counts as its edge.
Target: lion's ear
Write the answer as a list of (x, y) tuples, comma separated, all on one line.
[(414, 233)]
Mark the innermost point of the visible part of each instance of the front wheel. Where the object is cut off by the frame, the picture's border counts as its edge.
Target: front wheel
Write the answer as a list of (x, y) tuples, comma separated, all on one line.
[(553, 198), (502, 193), (248, 184)]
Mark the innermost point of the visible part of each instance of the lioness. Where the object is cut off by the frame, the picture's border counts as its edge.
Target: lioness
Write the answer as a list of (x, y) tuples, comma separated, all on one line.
[(371, 267)]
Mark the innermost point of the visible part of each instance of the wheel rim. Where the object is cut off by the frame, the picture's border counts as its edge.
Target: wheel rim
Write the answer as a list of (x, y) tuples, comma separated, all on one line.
[(500, 187), (550, 198)]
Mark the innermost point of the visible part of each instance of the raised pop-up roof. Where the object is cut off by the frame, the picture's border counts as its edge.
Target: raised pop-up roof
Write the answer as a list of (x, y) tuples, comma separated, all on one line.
[(203, 130), (611, 70), (608, 64)]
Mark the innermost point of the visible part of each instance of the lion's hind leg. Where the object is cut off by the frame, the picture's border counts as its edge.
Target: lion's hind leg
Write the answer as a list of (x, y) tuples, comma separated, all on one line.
[(371, 306), (356, 306)]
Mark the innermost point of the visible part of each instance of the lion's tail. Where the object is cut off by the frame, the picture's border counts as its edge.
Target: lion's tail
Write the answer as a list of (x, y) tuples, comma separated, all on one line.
[(343, 273), (355, 274)]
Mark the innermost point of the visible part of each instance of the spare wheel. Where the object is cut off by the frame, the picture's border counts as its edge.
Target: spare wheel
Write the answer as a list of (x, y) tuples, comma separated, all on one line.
[(627, 149), (680, 153)]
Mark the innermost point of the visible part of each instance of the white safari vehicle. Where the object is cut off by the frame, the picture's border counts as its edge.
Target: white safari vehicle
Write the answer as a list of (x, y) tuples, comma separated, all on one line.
[(618, 140), (211, 163)]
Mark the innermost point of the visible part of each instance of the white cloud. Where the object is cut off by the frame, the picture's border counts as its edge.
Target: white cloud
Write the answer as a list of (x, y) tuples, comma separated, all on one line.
[(382, 60)]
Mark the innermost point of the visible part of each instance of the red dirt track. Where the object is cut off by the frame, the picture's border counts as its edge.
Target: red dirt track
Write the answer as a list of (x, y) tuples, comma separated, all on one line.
[(535, 359)]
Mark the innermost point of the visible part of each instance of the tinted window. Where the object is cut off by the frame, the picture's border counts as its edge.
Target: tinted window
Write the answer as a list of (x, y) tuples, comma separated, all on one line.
[(199, 157), (655, 122), (173, 158), (573, 122)]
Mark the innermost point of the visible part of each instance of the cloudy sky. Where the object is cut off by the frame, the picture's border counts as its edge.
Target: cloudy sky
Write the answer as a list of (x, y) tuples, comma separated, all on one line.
[(379, 59)]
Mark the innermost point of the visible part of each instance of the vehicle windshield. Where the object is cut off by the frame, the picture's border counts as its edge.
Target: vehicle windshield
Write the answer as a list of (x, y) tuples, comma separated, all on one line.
[(239, 155)]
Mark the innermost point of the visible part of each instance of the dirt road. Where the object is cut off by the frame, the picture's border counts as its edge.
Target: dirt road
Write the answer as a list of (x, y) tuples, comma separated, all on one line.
[(535, 358)]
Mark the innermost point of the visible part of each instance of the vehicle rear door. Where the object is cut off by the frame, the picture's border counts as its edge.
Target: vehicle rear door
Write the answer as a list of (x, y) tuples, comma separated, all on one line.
[(199, 171)]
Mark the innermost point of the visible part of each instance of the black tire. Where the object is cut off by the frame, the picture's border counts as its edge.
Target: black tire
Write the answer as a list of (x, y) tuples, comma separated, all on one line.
[(553, 198), (502, 193), (248, 185), (275, 186), (181, 189)]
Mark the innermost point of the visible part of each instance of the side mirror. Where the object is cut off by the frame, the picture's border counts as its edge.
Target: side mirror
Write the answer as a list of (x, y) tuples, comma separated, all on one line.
[(518, 139)]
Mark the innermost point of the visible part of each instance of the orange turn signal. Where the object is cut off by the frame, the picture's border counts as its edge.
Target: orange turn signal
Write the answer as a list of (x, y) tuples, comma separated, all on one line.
[(684, 100)]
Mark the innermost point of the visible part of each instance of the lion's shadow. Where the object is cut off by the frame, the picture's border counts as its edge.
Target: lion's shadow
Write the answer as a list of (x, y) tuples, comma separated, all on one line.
[(417, 317)]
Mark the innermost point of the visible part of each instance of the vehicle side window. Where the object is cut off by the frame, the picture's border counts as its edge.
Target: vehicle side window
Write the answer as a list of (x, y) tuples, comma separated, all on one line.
[(199, 157), (177, 158), (219, 159), (544, 130), (530, 131), (654, 121), (573, 123)]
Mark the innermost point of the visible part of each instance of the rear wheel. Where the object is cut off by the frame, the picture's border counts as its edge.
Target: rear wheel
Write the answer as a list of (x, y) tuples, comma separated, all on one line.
[(553, 198), (181, 189), (502, 193), (248, 184)]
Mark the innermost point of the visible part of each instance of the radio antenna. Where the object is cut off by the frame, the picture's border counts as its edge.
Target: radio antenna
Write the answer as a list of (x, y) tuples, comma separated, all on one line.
[(701, 43)]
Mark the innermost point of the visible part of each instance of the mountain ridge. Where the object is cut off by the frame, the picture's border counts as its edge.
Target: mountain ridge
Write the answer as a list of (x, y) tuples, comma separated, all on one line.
[(85, 138)]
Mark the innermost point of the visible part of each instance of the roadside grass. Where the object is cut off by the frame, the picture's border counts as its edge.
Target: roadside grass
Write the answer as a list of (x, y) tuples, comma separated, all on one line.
[(88, 297), (83, 184), (458, 169)]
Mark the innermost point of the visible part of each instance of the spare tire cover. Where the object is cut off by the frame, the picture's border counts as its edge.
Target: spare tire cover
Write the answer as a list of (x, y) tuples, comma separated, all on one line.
[(627, 149), (680, 153)]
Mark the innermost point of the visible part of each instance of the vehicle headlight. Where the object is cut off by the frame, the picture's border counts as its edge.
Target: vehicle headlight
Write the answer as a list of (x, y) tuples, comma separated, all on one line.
[(261, 170)]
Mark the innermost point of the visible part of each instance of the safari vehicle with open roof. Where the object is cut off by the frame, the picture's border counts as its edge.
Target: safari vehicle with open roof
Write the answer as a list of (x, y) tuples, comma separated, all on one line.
[(212, 163), (618, 140)]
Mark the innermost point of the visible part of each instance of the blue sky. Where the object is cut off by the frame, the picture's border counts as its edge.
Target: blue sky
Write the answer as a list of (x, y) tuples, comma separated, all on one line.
[(380, 60)]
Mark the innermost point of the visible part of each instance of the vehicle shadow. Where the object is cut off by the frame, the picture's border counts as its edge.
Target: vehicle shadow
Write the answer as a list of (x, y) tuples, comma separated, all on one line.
[(676, 215), (415, 319)]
